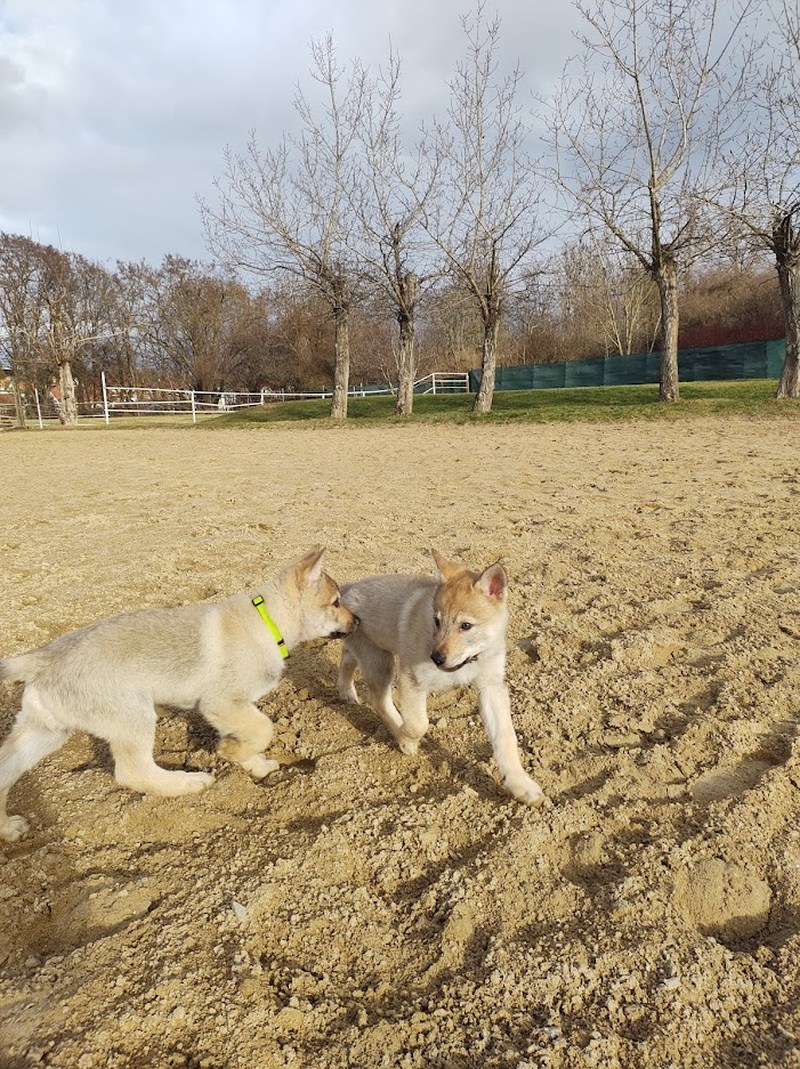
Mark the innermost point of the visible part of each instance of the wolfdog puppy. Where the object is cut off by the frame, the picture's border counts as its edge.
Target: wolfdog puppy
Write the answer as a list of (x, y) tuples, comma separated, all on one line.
[(435, 633), (218, 657)]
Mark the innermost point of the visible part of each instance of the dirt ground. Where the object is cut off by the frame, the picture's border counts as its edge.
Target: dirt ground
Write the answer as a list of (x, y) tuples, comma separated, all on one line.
[(360, 908)]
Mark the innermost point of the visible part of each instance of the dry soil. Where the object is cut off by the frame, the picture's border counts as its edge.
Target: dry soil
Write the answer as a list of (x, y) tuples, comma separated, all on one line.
[(360, 908)]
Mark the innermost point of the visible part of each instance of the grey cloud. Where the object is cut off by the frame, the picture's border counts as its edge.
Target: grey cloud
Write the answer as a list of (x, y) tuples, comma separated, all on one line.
[(115, 116)]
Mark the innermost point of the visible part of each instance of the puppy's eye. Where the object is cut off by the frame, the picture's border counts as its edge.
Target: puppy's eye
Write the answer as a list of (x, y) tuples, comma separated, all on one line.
[(336, 603), (437, 621), (466, 625)]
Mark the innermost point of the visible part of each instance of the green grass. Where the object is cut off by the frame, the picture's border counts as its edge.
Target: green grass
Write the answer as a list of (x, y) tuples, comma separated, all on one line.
[(750, 397)]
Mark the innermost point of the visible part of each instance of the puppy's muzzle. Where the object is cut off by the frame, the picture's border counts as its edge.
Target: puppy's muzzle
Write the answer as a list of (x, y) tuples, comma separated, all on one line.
[(439, 659), (344, 633)]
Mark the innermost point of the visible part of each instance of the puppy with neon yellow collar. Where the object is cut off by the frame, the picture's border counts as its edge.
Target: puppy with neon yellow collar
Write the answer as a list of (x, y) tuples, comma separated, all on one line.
[(433, 634), (216, 657)]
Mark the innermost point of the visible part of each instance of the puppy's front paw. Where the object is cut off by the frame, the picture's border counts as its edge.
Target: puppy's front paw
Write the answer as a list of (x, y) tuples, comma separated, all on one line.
[(349, 694), (259, 766), (407, 745), (13, 828), (524, 789)]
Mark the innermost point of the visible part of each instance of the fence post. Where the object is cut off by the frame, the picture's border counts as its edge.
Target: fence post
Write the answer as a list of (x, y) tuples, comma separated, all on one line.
[(105, 395), (38, 408), (194, 410)]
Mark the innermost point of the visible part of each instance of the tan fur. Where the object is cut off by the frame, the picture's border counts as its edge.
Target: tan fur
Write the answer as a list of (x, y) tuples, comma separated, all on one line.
[(216, 657), (432, 634)]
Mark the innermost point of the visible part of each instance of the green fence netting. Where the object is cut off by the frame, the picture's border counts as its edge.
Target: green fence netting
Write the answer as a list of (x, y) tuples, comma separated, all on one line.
[(751, 360)]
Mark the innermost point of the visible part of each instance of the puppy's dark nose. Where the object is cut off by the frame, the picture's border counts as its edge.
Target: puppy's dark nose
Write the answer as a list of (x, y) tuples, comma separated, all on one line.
[(438, 658)]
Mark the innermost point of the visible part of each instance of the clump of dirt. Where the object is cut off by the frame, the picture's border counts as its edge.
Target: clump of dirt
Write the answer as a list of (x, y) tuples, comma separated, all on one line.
[(723, 900), (361, 908)]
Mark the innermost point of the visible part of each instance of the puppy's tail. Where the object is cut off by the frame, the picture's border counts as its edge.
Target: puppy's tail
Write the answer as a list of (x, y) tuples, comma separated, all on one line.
[(21, 669)]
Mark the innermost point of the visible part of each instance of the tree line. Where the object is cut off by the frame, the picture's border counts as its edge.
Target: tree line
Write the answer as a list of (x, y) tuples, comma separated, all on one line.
[(186, 325), (668, 168)]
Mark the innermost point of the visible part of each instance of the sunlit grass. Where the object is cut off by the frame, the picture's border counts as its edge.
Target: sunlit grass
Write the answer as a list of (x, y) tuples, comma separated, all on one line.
[(750, 397)]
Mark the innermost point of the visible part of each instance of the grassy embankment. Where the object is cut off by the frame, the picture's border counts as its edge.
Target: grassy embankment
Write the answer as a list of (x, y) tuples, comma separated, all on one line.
[(749, 398)]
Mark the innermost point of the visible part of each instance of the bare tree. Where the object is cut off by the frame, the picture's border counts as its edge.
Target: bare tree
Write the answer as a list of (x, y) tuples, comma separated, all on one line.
[(390, 200), (75, 315), (191, 320), (635, 127), (20, 310), (286, 209), (485, 221), (613, 297), (761, 194), (133, 294), (98, 336)]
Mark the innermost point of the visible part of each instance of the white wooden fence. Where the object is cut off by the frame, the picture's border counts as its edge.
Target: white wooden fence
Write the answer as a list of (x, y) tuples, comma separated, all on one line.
[(443, 382), (148, 401), (158, 401)]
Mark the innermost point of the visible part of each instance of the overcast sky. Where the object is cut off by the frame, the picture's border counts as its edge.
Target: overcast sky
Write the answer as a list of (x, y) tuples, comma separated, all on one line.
[(114, 115)]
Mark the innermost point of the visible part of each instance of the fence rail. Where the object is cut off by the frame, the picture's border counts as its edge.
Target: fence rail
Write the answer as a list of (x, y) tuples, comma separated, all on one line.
[(153, 400), (443, 382)]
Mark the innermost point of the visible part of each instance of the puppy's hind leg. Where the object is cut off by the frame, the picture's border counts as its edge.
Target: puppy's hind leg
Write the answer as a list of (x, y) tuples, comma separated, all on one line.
[(131, 740), (377, 667), (30, 740), (246, 733), (378, 670), (346, 682)]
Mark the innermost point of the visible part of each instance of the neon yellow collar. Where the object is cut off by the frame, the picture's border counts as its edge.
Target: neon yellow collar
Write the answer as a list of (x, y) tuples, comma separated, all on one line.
[(258, 601)]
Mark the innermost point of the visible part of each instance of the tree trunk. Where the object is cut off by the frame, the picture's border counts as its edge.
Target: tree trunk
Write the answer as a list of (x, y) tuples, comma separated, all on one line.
[(485, 394), (667, 280), (341, 365), (18, 404), (405, 366), (68, 413), (787, 267)]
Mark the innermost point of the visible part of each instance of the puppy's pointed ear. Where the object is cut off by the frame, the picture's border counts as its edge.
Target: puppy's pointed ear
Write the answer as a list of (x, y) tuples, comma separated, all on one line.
[(493, 583), (309, 568), (446, 569)]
